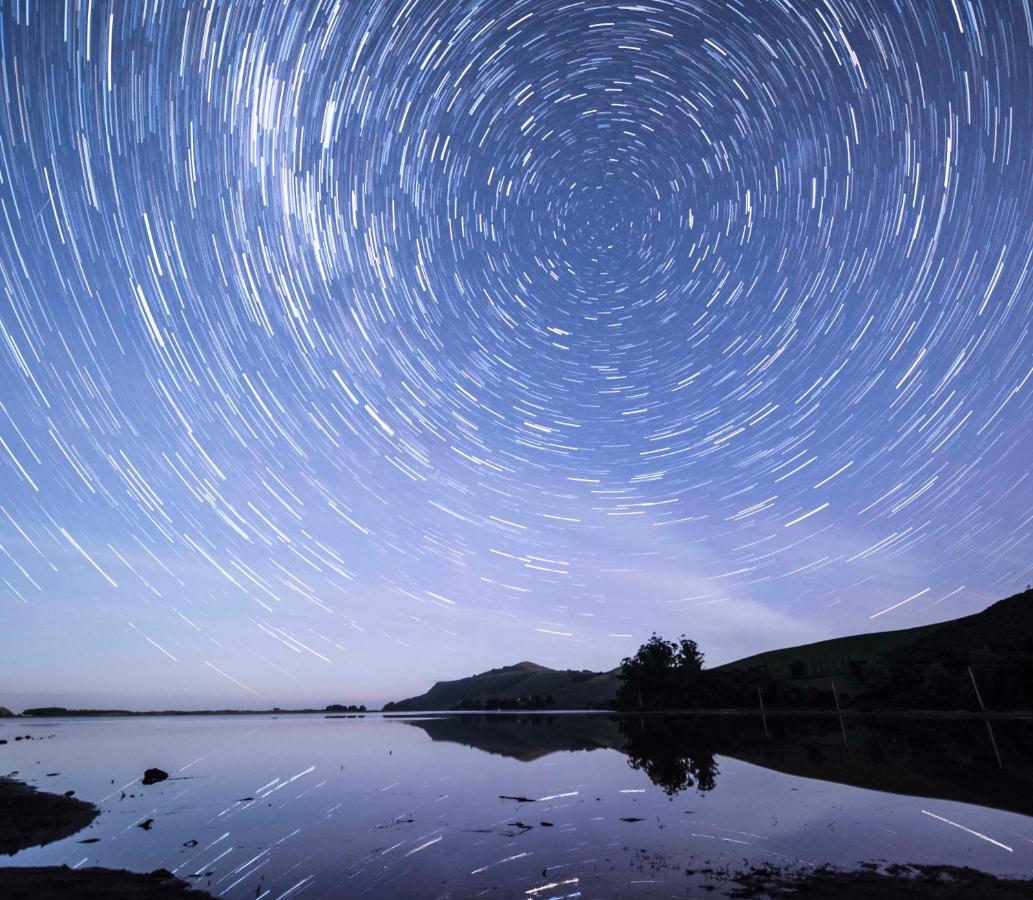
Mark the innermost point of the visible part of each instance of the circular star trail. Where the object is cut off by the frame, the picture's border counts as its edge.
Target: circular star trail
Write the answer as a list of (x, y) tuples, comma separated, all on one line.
[(341, 339)]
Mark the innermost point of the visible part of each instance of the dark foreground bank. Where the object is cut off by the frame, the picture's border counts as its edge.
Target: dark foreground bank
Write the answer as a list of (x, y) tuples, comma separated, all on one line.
[(31, 818), (869, 882), (60, 881)]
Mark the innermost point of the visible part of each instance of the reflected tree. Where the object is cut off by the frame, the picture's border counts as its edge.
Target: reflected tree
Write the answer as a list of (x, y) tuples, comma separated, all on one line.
[(673, 751)]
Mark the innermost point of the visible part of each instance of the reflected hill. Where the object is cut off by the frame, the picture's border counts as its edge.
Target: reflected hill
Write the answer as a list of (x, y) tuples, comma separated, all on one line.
[(525, 737), (525, 685), (964, 760)]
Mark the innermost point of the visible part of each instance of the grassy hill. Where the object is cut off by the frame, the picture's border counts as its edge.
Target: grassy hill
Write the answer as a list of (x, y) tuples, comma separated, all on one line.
[(840, 658), (568, 688), (997, 642)]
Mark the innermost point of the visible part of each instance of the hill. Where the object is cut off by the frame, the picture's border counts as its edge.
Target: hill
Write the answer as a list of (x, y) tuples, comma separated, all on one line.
[(841, 658), (919, 668), (525, 685), (924, 667)]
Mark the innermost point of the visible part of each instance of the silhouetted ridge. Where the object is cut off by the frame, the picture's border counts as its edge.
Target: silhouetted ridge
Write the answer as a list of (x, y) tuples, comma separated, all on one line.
[(926, 667), (524, 685), (923, 667)]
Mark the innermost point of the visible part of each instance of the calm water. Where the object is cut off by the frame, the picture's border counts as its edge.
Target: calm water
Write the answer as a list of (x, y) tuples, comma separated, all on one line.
[(351, 807)]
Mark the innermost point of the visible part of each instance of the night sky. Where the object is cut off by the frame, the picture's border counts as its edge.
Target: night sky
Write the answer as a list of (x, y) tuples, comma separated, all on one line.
[(346, 347)]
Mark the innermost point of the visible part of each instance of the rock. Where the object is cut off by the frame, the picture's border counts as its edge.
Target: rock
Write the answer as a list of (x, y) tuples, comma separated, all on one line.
[(146, 824), (153, 776)]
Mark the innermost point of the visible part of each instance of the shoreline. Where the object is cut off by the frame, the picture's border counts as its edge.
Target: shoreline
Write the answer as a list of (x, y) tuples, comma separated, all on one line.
[(167, 713), (841, 713), (1017, 714), (870, 881), (33, 818)]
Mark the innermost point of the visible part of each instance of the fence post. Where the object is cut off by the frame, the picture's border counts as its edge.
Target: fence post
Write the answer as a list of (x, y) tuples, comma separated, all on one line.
[(979, 696), (839, 712), (993, 741), (982, 706)]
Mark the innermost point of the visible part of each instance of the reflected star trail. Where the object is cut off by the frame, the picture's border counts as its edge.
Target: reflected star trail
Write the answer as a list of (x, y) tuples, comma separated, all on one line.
[(348, 346)]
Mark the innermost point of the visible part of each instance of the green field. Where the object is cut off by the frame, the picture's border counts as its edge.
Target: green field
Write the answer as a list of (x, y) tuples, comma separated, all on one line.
[(839, 658)]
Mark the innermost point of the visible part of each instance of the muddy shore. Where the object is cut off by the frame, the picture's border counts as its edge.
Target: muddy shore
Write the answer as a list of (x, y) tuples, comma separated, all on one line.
[(60, 881), (31, 818), (871, 882)]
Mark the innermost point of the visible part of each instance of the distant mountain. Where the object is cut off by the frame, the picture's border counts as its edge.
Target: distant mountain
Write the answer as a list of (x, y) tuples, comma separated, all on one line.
[(524, 685)]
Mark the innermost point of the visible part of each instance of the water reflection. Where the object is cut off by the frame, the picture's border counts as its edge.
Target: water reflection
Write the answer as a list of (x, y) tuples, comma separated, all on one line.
[(948, 759), (373, 806), (676, 753)]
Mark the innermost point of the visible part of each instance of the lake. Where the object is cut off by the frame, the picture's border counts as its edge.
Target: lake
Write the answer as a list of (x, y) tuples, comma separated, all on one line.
[(533, 806)]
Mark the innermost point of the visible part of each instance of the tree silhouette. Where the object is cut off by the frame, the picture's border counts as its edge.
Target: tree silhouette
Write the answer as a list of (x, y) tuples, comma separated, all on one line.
[(661, 675)]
